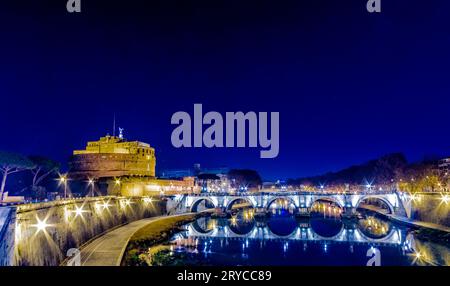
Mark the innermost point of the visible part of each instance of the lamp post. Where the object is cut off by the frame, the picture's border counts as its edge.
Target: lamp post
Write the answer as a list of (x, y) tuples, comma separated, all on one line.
[(63, 180), (117, 185), (91, 183)]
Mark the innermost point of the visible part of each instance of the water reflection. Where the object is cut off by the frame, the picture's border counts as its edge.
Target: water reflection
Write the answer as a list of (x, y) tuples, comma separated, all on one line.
[(373, 227), (326, 209), (281, 239), (326, 228)]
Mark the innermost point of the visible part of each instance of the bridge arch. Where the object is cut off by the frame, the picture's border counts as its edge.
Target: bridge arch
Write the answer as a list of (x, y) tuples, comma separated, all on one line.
[(379, 198), (272, 200), (196, 202), (234, 200), (327, 199)]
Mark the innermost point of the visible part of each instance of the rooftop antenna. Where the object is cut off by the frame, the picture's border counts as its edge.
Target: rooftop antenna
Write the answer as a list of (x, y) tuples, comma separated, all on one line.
[(114, 125)]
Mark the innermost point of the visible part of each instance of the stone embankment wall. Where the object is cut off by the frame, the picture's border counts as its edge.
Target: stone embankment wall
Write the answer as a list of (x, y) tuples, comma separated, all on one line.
[(45, 232), (431, 207)]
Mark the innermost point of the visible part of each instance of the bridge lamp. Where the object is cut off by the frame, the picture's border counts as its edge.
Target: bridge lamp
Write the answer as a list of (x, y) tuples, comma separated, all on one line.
[(117, 181)]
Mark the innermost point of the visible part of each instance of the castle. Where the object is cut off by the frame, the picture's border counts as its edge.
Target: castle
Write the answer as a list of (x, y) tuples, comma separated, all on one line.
[(126, 168), (113, 156)]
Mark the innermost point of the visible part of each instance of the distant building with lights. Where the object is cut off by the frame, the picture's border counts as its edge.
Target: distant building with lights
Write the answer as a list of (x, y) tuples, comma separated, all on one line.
[(113, 156), (145, 186), (192, 172), (444, 165)]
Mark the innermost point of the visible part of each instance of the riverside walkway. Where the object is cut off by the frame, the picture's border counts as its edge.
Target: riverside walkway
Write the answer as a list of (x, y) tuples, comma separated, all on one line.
[(108, 249), (417, 223), (407, 221)]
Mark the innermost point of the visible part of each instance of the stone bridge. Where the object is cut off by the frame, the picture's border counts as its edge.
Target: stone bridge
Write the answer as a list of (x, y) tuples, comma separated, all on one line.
[(396, 203)]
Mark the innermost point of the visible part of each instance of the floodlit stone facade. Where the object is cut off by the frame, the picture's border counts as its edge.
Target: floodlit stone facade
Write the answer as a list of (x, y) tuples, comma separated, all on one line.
[(113, 156)]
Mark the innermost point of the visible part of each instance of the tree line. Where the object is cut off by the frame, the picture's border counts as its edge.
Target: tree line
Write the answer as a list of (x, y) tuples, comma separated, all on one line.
[(40, 168)]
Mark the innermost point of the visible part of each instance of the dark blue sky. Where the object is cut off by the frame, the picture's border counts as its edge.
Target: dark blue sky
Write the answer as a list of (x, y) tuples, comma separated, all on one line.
[(350, 86)]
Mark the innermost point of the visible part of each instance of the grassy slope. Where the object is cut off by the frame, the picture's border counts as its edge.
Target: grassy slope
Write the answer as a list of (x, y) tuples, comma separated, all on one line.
[(152, 234)]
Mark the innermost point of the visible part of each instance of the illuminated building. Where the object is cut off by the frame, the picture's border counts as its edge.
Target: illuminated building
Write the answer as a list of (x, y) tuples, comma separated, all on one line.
[(147, 186), (444, 165), (189, 172), (113, 156), (122, 167)]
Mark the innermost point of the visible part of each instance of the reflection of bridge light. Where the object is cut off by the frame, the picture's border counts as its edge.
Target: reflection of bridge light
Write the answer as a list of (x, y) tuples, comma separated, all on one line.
[(286, 246)]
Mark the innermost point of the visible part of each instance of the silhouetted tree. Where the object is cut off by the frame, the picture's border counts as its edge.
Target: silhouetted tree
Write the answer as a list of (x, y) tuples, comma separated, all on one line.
[(11, 163), (245, 177), (44, 167), (379, 171)]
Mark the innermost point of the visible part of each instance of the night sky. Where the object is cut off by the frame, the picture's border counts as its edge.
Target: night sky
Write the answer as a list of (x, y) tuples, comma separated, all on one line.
[(350, 86)]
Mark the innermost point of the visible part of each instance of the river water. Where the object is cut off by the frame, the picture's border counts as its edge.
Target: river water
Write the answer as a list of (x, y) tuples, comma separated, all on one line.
[(282, 239)]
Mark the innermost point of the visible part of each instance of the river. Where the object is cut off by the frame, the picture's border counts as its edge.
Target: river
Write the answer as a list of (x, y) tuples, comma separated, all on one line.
[(281, 239)]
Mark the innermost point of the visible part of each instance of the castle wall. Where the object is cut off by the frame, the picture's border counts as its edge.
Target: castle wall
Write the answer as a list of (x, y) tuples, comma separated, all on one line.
[(112, 165), (113, 157)]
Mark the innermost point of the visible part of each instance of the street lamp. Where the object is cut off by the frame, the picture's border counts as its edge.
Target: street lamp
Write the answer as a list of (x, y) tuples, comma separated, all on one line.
[(91, 183), (63, 180)]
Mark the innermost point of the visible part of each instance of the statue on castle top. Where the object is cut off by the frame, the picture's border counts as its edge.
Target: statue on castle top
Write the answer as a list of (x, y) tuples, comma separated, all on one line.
[(120, 133)]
